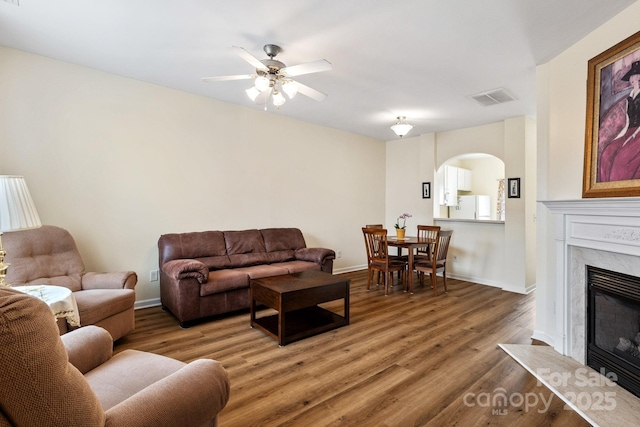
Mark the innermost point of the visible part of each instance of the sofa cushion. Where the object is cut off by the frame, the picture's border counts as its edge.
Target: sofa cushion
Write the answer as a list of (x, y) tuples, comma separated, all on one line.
[(259, 271), (278, 239), (279, 256), (298, 266), (247, 260), (243, 242), (223, 281), (245, 248), (216, 262), (193, 245), (98, 304)]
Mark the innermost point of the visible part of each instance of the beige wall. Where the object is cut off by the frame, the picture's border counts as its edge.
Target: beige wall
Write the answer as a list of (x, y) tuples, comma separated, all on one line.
[(561, 94), (409, 162), (118, 162), (488, 139)]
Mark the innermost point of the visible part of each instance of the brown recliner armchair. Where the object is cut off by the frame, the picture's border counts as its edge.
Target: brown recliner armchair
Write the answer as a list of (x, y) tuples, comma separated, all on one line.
[(73, 380), (49, 256)]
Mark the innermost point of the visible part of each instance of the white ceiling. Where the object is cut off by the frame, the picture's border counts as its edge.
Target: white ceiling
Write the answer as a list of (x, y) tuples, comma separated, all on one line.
[(418, 58)]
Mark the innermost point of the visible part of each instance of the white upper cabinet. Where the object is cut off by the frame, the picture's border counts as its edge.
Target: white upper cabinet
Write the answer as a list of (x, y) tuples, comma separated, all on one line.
[(464, 179), (449, 193), (452, 179)]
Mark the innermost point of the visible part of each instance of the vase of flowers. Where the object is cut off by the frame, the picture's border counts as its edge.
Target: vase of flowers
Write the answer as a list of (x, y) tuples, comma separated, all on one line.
[(401, 229)]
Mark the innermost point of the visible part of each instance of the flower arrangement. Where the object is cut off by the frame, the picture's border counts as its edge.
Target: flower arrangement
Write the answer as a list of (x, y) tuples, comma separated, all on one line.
[(402, 217)]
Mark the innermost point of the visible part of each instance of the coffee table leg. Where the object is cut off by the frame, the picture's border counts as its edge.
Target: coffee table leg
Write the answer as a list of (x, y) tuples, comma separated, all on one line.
[(252, 308), (281, 327), (346, 304)]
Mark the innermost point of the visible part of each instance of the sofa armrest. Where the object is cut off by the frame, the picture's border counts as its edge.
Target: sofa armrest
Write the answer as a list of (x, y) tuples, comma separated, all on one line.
[(192, 396), (317, 255), (185, 268), (113, 280), (88, 347)]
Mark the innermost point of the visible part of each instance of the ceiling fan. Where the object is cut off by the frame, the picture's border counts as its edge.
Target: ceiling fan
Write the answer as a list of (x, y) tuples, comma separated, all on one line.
[(273, 77)]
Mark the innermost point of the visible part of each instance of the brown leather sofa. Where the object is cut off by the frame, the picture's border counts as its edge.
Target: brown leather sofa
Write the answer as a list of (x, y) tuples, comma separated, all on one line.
[(48, 255), (75, 380), (207, 273)]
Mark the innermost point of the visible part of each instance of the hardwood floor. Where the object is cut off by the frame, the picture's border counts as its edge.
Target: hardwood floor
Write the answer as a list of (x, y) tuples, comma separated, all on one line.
[(405, 360)]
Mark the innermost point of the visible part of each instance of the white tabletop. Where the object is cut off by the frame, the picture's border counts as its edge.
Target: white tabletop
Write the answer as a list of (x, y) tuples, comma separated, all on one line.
[(60, 300)]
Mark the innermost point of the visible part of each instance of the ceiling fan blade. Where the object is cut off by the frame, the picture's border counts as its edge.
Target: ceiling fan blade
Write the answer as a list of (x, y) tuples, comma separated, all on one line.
[(311, 93), (308, 68), (249, 58), (227, 78)]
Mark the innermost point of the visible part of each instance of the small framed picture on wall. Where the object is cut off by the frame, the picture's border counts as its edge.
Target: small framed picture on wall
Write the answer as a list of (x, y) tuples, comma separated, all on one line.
[(426, 190), (514, 188)]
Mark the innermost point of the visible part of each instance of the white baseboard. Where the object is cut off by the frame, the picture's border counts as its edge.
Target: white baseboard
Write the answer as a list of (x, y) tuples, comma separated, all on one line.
[(147, 303), (349, 269), (542, 336), (502, 286), (475, 280)]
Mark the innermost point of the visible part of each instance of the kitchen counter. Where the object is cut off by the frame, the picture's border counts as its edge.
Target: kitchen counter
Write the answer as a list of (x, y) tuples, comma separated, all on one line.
[(483, 221)]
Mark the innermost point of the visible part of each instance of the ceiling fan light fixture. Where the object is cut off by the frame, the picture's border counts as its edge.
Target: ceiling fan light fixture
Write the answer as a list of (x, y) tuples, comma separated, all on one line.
[(262, 83), (252, 93), (272, 77), (401, 127), (278, 99), (290, 88)]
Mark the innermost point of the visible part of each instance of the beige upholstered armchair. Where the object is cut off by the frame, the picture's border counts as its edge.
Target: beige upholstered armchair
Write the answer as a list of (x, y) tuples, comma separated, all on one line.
[(74, 380), (49, 256)]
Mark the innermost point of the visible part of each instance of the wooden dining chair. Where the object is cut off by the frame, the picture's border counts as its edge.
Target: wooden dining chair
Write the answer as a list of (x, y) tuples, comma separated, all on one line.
[(437, 262), (399, 256), (375, 226), (429, 232), (375, 240)]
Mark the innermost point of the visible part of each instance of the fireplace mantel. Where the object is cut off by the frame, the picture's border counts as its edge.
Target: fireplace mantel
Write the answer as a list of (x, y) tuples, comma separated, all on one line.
[(607, 224), (630, 206)]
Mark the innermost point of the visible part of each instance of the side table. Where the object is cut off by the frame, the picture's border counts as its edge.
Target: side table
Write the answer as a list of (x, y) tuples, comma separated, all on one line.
[(59, 299)]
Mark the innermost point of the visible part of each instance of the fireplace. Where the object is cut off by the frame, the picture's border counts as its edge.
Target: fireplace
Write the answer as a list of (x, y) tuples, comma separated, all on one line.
[(613, 326), (603, 233)]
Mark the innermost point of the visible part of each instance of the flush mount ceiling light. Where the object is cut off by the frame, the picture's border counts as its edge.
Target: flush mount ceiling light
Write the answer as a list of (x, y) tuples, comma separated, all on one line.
[(401, 127), (273, 77)]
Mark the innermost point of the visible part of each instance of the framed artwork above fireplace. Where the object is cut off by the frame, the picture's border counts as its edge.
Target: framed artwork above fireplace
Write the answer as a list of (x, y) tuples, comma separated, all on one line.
[(612, 136)]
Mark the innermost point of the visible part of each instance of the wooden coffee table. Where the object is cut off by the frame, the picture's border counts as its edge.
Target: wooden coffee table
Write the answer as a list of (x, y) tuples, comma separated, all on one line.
[(296, 298)]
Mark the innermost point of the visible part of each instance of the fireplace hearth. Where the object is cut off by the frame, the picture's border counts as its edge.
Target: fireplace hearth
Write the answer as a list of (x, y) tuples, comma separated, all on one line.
[(613, 326)]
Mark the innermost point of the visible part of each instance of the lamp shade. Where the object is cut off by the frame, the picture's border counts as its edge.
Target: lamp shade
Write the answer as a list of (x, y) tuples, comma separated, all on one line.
[(278, 99), (401, 127), (290, 88), (252, 93), (262, 83), (17, 211)]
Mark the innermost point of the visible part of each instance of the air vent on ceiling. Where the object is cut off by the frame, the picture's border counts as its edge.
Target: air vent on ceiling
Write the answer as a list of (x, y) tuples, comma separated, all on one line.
[(16, 2), (492, 97)]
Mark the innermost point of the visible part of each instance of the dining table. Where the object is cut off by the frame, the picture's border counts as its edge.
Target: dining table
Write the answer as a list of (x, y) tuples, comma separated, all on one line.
[(409, 242)]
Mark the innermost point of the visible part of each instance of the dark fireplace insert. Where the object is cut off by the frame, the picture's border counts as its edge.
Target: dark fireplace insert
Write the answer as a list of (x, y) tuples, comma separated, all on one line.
[(613, 326)]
